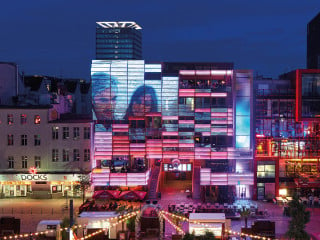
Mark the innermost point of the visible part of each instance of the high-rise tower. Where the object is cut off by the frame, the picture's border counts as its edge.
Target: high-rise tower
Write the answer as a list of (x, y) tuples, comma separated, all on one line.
[(313, 43), (118, 40)]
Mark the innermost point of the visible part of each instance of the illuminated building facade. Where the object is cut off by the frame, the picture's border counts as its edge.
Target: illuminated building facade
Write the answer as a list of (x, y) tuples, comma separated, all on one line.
[(287, 134), (190, 121), (118, 40)]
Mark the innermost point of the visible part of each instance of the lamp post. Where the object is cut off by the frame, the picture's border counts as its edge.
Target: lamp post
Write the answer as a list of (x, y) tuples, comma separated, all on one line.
[(66, 191)]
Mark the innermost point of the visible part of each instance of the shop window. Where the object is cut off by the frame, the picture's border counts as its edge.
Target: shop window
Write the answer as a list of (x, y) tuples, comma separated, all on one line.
[(76, 133), (10, 162), (23, 119), (55, 155), (65, 155), (76, 155), (24, 140), (37, 161), (10, 139), (86, 132), (55, 132), (37, 140), (65, 132), (37, 119), (86, 155), (10, 119), (24, 162)]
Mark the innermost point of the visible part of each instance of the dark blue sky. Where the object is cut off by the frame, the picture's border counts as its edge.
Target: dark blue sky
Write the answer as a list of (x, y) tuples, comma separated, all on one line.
[(58, 37)]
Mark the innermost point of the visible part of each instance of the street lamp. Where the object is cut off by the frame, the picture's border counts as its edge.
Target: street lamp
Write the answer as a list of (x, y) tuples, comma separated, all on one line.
[(66, 191)]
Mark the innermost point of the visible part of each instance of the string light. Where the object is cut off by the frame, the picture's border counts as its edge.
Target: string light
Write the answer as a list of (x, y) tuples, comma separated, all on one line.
[(206, 225), (172, 224), (131, 214)]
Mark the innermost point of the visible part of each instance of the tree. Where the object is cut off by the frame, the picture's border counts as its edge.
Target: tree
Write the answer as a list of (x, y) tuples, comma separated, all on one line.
[(188, 236), (299, 218), (84, 185), (207, 236), (245, 213)]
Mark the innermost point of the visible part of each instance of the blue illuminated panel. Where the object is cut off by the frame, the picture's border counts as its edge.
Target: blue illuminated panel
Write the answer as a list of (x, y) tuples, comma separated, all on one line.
[(243, 114)]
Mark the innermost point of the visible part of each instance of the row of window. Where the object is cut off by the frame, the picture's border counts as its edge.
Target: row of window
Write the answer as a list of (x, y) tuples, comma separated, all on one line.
[(23, 140), (55, 158), (66, 133), (23, 119), (66, 155), (55, 135), (24, 162)]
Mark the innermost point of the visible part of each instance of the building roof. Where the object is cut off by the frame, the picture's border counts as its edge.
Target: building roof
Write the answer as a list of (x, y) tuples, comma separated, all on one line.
[(207, 216)]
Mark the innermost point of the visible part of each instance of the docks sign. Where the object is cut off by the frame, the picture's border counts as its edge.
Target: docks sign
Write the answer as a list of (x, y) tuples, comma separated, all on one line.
[(34, 177)]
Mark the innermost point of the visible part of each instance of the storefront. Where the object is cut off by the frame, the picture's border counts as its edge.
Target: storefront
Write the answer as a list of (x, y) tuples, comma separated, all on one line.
[(39, 185)]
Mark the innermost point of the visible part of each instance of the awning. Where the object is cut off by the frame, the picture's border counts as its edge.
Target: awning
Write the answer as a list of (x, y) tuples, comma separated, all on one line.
[(106, 194)]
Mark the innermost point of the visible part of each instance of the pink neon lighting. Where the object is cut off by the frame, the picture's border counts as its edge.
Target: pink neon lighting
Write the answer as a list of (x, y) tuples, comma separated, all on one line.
[(202, 110), (187, 72), (218, 94)]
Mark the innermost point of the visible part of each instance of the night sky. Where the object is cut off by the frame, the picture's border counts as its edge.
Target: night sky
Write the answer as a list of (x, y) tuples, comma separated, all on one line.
[(57, 37)]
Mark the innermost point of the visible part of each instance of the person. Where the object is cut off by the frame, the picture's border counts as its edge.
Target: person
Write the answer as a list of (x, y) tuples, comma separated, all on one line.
[(143, 100), (104, 96)]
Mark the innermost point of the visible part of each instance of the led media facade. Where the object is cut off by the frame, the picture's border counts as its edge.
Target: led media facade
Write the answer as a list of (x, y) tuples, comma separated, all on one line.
[(144, 114)]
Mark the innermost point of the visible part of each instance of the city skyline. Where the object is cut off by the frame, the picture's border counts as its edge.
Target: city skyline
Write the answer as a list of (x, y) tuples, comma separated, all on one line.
[(58, 38)]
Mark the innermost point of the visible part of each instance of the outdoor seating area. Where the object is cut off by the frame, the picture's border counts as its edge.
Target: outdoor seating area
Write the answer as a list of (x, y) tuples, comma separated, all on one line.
[(231, 211), (314, 201), (106, 206)]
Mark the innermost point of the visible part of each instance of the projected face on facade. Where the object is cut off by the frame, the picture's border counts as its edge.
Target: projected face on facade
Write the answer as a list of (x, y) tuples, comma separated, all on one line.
[(143, 101), (104, 96)]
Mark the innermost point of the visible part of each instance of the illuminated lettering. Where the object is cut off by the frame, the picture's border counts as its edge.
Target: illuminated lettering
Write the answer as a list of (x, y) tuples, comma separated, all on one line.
[(34, 177)]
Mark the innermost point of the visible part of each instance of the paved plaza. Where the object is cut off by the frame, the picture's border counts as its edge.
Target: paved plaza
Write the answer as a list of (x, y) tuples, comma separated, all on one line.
[(32, 211)]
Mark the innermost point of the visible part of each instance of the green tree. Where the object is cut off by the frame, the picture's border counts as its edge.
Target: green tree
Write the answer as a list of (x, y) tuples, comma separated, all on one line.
[(299, 218), (84, 185), (245, 214), (131, 224), (188, 236), (207, 236)]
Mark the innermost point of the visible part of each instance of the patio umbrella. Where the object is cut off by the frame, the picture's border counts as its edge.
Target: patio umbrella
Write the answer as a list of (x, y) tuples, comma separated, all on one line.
[(105, 194)]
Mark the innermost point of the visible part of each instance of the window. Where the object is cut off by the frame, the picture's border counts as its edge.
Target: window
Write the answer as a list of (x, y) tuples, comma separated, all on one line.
[(37, 161), (76, 155), (86, 155), (36, 119), (24, 161), (86, 133), (23, 118), (37, 140), (65, 132), (55, 132), (10, 139), (10, 162), (76, 133), (10, 119), (65, 155), (55, 155), (24, 140)]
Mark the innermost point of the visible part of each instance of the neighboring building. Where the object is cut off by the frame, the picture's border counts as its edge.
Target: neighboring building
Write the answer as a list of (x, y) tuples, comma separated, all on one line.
[(187, 123), (41, 156), (10, 83), (313, 43), (287, 138), (66, 95), (118, 40)]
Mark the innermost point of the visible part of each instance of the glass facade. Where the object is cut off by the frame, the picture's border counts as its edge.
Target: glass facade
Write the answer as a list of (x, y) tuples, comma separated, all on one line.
[(145, 113), (118, 41)]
